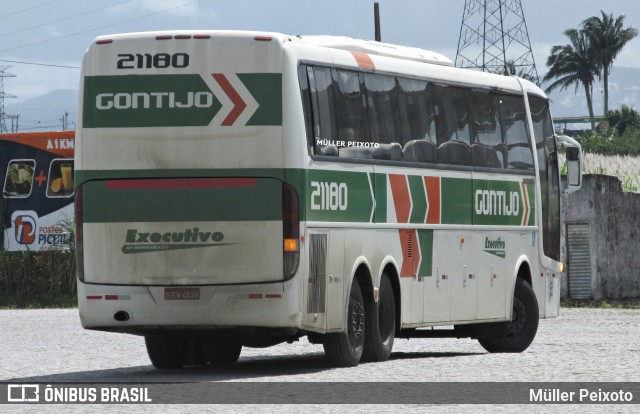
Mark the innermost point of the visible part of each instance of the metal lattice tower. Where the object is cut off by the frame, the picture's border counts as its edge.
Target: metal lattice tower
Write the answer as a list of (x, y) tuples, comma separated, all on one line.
[(494, 38), (3, 95)]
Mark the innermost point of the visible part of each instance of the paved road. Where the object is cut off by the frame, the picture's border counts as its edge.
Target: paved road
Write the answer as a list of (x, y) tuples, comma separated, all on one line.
[(582, 345)]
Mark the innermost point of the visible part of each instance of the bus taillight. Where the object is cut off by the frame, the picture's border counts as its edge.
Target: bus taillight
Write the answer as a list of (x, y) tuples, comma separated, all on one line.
[(79, 234), (290, 230)]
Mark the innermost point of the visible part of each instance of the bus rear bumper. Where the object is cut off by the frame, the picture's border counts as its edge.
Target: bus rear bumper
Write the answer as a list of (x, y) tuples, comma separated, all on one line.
[(132, 308)]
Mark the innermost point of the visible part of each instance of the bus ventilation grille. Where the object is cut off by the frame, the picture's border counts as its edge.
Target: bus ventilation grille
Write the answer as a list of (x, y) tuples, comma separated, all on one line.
[(317, 274)]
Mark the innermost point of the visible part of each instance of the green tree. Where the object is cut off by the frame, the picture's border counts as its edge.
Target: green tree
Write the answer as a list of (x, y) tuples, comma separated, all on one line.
[(608, 37), (623, 119), (573, 64)]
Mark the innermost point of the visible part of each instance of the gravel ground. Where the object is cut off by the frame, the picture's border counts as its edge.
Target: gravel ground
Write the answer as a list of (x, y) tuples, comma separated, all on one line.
[(582, 345)]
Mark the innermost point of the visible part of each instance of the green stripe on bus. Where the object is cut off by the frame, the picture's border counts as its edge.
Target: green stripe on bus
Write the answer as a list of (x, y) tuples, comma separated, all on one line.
[(456, 201), (260, 202), (418, 199), (138, 101), (266, 89), (321, 195), (499, 203), (425, 237), (380, 189), (338, 196), (531, 189)]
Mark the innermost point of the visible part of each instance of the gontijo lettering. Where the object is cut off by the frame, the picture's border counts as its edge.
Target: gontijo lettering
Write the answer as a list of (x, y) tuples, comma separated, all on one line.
[(497, 203), (157, 100)]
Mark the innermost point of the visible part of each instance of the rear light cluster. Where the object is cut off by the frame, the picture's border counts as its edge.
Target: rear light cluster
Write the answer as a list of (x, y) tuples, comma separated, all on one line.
[(182, 36), (290, 230), (79, 234), (186, 36)]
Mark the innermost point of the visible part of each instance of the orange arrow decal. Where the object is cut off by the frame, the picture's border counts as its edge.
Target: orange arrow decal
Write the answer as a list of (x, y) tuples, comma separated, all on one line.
[(238, 104)]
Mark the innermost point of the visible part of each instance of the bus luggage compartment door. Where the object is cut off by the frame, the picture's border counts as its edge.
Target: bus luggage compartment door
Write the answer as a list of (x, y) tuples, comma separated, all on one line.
[(183, 231)]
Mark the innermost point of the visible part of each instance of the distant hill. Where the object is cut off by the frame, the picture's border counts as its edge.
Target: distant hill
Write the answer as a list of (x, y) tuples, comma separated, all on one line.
[(44, 113)]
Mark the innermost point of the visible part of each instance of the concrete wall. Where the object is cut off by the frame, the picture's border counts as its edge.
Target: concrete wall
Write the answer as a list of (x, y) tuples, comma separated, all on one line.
[(614, 221)]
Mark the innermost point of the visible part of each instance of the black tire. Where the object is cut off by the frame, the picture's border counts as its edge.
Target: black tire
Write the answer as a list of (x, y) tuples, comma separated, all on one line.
[(519, 333), (345, 349), (195, 354), (222, 353), (380, 326), (166, 352)]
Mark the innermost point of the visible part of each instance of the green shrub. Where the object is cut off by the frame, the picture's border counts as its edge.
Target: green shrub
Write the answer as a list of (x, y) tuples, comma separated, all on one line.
[(36, 277)]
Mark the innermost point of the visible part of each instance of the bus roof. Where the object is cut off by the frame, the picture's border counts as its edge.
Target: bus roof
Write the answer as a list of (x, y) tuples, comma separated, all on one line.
[(378, 48), (441, 65)]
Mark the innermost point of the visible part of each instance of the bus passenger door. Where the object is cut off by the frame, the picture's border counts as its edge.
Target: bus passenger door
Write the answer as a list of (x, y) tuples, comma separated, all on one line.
[(459, 259)]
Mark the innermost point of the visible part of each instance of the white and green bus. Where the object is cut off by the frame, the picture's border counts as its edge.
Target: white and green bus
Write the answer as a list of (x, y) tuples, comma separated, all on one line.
[(247, 189)]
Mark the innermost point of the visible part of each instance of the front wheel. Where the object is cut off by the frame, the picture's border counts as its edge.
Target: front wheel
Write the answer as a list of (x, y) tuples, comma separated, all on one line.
[(519, 333), (345, 349)]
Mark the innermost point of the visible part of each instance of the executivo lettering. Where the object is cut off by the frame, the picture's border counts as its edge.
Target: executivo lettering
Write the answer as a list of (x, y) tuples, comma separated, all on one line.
[(495, 247), (141, 242)]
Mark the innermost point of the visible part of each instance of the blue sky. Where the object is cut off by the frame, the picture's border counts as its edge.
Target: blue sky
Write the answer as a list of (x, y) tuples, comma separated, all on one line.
[(57, 32)]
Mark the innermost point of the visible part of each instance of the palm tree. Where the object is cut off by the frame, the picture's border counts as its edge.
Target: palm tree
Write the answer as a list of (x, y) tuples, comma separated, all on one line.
[(573, 64), (608, 37)]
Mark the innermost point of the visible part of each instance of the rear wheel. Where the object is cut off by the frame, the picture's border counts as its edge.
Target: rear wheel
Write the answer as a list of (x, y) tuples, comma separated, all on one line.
[(222, 353), (195, 354), (380, 324), (345, 348), (519, 333), (166, 352)]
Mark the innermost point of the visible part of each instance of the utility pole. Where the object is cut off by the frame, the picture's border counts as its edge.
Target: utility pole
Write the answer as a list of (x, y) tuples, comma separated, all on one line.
[(14, 127), (64, 120), (494, 38), (376, 18), (3, 95)]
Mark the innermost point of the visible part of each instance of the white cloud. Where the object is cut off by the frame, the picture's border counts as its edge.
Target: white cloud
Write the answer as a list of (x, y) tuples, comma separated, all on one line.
[(191, 9)]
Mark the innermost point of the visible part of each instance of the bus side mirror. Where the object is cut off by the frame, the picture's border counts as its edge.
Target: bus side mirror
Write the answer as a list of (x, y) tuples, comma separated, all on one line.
[(574, 167), (574, 162)]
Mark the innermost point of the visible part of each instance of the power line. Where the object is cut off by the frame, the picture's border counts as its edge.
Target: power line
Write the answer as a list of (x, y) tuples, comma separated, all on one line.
[(63, 19), (51, 65), (29, 9), (101, 27)]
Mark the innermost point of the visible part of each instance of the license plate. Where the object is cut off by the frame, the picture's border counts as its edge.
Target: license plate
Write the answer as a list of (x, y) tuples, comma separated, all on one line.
[(190, 293)]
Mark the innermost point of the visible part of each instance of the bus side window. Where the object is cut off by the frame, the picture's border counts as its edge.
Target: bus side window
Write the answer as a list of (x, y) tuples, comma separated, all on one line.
[(514, 115), (19, 178), (382, 102), (304, 73), (351, 114), (453, 131), (384, 120), (487, 148), (417, 121), (323, 124)]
